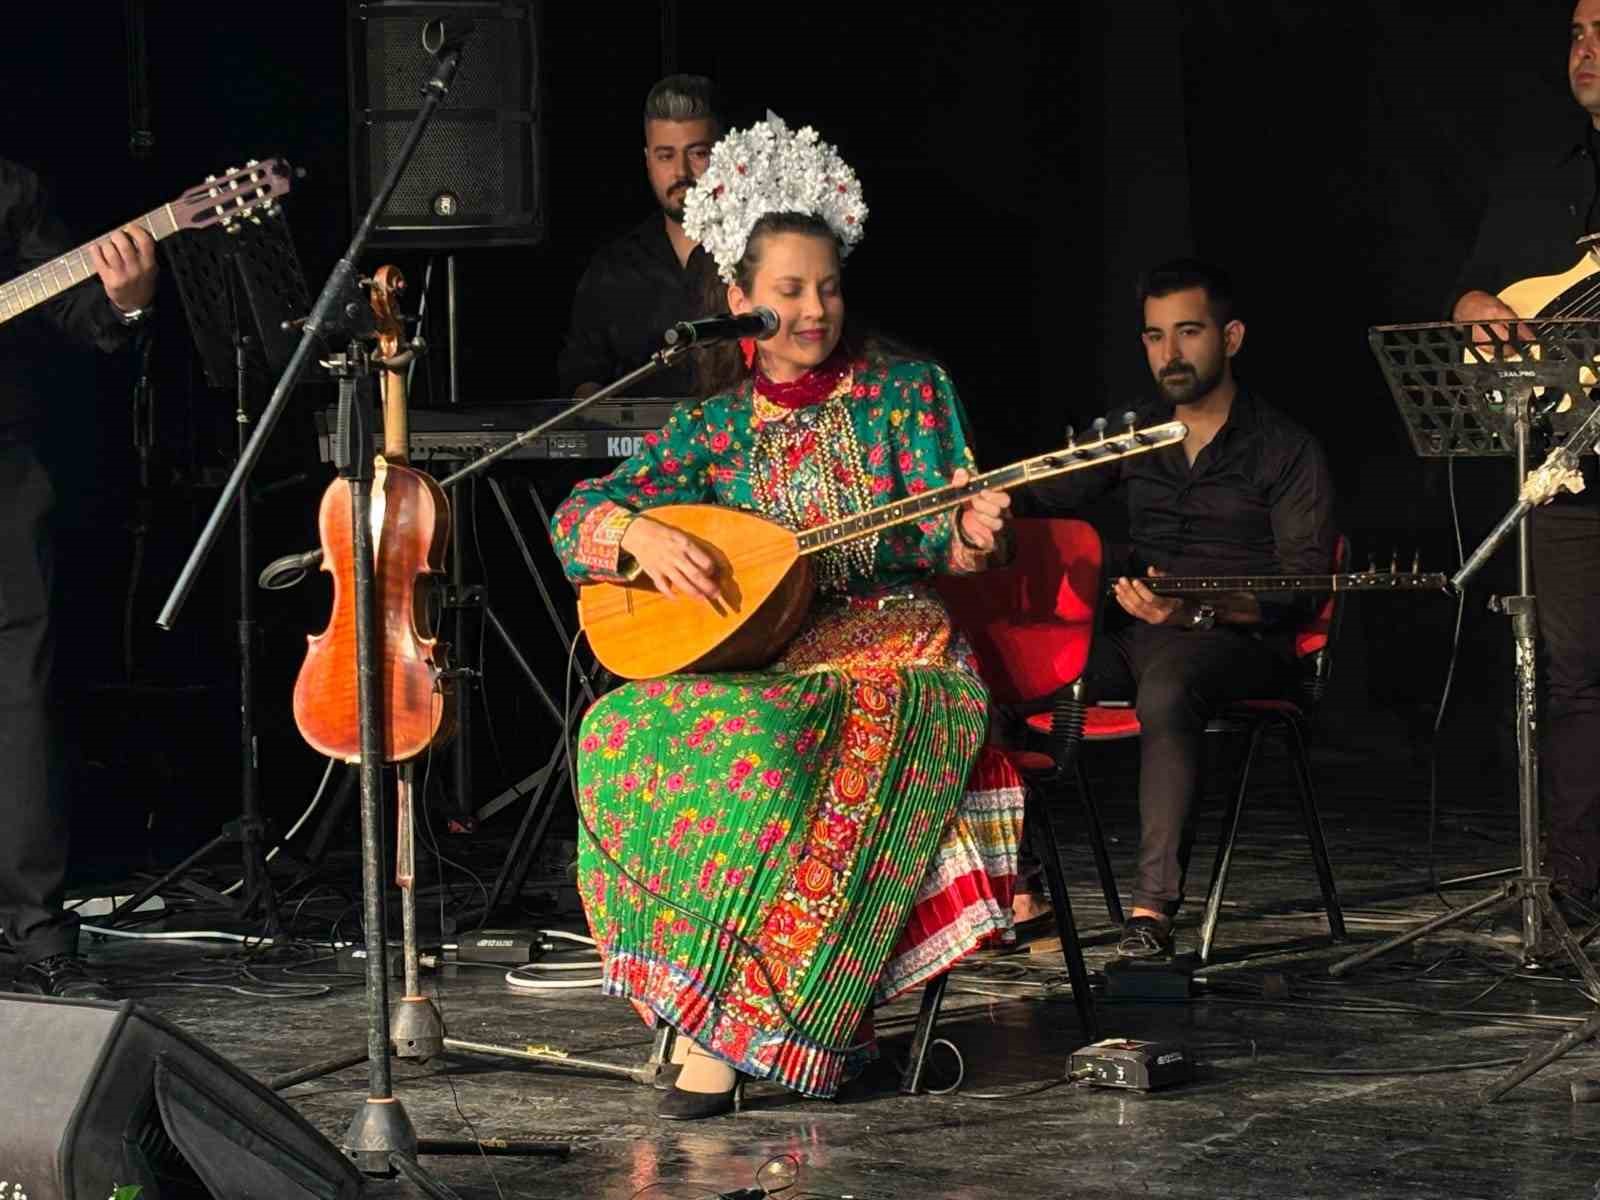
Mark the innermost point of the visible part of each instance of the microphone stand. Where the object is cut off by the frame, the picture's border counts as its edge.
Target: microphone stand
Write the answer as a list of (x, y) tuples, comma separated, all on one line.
[(380, 1139)]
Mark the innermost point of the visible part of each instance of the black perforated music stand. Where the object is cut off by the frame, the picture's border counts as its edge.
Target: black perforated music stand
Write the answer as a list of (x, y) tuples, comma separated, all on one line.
[(242, 288), (1484, 390)]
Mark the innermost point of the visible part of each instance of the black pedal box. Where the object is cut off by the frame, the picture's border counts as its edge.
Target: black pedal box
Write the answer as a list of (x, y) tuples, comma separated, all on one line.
[(513, 947), (1151, 978), (1134, 1065)]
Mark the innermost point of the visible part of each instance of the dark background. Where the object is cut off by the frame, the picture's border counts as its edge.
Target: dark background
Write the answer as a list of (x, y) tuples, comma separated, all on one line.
[(1022, 164)]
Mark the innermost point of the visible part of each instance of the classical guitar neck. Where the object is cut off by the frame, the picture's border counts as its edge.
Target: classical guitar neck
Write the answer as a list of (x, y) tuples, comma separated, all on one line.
[(49, 280)]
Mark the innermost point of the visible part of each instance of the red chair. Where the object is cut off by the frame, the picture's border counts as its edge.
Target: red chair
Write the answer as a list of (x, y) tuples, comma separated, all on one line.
[(1062, 732), (1030, 624)]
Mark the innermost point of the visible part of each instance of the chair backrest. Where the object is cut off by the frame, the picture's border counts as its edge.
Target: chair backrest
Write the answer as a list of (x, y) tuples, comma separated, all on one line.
[(1314, 641), (1032, 621)]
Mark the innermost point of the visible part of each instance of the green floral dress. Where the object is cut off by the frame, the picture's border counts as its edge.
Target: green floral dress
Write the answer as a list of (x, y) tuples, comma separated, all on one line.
[(769, 853)]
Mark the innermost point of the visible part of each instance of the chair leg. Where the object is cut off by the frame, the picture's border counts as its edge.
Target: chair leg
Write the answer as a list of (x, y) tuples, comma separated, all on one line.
[(922, 1035), (1313, 820), (1036, 823), (1097, 843), (1230, 834)]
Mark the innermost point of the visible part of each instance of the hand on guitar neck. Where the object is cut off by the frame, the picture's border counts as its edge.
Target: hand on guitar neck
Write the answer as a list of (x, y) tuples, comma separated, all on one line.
[(126, 264)]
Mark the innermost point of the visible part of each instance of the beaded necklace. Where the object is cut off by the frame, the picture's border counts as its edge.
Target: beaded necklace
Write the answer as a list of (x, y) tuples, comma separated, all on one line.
[(809, 471)]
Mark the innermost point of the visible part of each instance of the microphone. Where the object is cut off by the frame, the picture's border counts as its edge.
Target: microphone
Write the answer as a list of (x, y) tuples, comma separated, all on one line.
[(759, 323), (446, 33)]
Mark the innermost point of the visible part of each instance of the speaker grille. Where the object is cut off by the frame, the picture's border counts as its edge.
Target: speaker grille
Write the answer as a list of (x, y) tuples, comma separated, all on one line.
[(475, 177)]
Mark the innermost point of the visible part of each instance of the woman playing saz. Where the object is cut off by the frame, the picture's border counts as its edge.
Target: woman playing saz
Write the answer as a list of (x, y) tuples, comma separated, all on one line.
[(766, 855)]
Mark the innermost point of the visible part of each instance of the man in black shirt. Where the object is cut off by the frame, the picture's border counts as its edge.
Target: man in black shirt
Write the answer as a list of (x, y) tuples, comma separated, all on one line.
[(1540, 205), (1248, 492), (649, 279), (36, 935)]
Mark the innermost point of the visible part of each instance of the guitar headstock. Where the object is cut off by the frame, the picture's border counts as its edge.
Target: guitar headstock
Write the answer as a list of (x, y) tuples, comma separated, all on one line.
[(238, 194)]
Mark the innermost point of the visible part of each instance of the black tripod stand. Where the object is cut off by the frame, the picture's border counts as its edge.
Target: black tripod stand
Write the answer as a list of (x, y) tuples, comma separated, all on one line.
[(1478, 391), (241, 289)]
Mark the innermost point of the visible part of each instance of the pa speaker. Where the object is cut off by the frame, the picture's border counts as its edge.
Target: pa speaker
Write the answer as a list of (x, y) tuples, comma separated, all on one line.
[(476, 176), (103, 1095)]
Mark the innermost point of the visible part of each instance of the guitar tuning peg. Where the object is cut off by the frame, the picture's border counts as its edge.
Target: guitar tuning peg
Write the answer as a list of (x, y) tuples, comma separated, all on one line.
[(1394, 560), (1128, 419), (1099, 426), (1071, 445), (1372, 564), (1416, 561)]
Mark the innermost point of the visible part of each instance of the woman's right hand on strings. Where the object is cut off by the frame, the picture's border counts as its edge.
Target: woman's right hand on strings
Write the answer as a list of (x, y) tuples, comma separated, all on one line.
[(672, 560)]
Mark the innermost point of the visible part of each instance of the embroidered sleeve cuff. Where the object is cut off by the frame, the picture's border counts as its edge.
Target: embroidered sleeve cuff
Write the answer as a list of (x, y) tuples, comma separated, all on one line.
[(600, 540), (963, 559)]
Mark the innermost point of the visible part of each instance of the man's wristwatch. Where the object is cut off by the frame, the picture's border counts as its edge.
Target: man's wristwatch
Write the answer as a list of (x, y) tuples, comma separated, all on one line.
[(1203, 617), (131, 316)]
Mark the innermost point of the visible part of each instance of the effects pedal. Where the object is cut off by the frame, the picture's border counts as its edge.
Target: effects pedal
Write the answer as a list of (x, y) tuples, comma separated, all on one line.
[(513, 947), (1134, 1065)]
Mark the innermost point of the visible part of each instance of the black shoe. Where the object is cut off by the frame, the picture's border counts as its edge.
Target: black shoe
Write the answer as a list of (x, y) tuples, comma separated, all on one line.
[(1145, 937), (679, 1105), (64, 975)]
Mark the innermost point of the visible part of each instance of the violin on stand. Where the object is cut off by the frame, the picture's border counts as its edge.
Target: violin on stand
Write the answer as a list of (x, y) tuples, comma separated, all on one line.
[(410, 530), (412, 706)]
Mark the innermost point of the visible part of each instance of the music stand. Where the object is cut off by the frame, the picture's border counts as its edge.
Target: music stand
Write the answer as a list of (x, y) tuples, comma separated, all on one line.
[(241, 288), (1483, 390)]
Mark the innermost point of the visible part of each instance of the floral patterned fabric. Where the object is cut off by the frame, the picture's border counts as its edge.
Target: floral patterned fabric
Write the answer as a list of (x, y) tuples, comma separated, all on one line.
[(772, 852)]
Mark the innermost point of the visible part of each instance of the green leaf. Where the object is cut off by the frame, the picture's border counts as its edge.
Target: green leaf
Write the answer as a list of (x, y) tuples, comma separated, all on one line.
[(131, 1192)]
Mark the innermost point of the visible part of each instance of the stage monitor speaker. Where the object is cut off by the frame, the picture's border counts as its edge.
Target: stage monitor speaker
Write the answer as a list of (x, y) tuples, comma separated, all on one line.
[(103, 1095), (477, 176)]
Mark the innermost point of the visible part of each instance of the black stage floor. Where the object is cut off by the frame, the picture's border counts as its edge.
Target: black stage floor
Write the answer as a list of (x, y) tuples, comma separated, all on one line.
[(1288, 1103)]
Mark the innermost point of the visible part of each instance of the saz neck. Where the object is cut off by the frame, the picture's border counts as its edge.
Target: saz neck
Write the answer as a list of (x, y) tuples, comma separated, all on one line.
[(1199, 585), (49, 280), (1018, 474)]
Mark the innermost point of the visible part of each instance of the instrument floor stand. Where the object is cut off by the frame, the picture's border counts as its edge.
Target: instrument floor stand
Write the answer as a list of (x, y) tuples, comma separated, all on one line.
[(1465, 390), (239, 289)]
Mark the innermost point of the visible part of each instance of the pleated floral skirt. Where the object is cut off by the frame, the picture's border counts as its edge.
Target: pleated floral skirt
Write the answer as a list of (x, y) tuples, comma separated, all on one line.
[(768, 854)]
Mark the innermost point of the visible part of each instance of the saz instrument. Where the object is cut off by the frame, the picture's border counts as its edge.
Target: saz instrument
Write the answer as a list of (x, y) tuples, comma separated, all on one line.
[(763, 570), (1364, 581), (410, 530), (223, 200)]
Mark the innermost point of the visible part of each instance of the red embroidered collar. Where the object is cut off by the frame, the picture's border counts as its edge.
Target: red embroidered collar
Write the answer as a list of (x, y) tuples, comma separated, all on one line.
[(815, 386)]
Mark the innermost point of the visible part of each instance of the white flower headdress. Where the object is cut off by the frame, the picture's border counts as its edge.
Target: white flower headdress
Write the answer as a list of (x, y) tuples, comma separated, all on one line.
[(769, 169)]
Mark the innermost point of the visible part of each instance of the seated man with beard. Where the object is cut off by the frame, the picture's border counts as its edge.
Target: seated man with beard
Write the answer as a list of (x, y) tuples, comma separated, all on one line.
[(651, 277), (1247, 493)]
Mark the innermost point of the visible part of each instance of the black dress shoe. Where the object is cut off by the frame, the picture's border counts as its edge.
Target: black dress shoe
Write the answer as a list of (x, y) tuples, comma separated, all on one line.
[(1145, 937), (64, 975), (679, 1105)]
